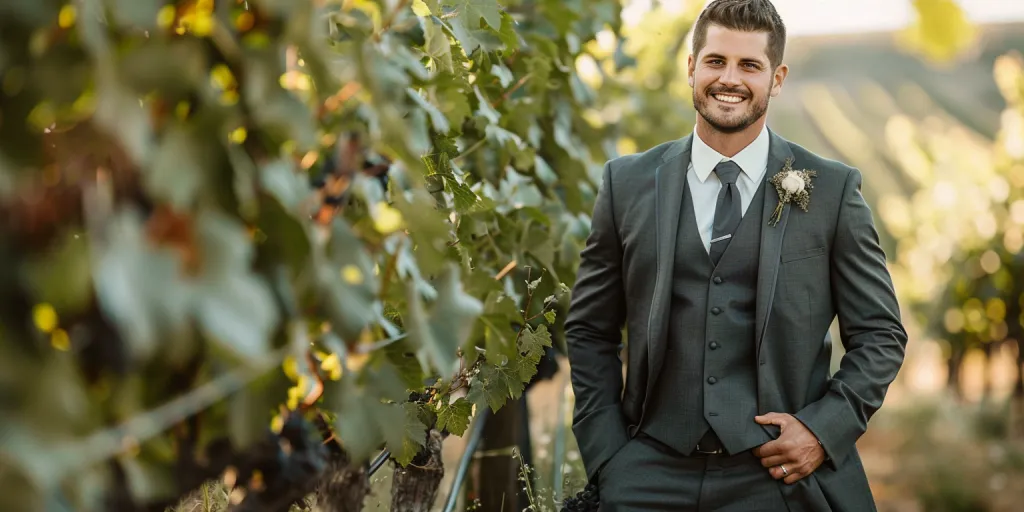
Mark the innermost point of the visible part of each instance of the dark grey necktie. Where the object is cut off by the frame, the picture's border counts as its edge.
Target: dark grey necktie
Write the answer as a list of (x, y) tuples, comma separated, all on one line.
[(727, 210)]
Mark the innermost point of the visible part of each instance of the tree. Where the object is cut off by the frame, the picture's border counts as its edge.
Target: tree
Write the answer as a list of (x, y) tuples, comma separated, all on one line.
[(234, 229)]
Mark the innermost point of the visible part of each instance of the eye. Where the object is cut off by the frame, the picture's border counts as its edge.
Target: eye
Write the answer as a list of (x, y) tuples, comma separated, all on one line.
[(716, 62)]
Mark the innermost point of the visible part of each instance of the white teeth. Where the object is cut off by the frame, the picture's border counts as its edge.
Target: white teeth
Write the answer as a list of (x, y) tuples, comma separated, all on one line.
[(728, 99)]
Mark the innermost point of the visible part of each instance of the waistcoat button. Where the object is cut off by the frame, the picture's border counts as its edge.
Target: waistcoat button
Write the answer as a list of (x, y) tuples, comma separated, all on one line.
[(716, 310), (712, 380), (718, 280)]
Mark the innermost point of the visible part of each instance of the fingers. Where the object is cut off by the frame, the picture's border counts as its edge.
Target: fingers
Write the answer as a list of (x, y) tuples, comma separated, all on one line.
[(772, 418), (792, 474), (770, 448), (776, 460), (794, 477)]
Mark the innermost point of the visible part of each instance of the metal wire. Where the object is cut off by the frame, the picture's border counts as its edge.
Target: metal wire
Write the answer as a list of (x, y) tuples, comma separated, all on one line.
[(379, 461), (471, 445), (560, 439)]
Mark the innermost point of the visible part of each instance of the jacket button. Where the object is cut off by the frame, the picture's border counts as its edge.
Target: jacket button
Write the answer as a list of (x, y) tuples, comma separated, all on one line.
[(713, 345), (716, 310), (717, 280), (712, 380)]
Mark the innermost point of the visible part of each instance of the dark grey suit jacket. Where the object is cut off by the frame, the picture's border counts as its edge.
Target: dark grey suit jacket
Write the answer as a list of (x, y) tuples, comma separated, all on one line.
[(813, 266)]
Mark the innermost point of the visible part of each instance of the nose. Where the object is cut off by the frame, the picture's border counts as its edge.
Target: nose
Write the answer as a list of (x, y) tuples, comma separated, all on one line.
[(731, 76)]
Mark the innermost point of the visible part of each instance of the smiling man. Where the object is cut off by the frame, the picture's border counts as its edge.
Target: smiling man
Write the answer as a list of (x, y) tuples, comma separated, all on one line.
[(727, 254)]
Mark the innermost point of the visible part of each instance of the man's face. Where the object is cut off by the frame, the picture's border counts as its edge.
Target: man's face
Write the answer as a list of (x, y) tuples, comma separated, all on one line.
[(732, 78)]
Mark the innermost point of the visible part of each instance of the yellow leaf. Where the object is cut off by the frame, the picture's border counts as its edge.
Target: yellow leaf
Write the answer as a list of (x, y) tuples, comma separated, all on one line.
[(222, 77), (277, 424), (294, 395), (60, 340), (45, 317), (229, 98), (67, 16), (352, 275), (332, 365), (420, 8), (203, 25), (388, 220), (238, 135), (941, 31), (166, 16), (291, 368)]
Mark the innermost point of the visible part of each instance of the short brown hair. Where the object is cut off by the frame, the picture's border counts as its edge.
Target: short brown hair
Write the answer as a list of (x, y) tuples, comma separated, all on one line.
[(747, 16)]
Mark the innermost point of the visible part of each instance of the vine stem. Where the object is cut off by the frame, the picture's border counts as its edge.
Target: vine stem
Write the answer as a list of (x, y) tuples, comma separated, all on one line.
[(515, 87), (526, 310), (390, 266), (471, 149)]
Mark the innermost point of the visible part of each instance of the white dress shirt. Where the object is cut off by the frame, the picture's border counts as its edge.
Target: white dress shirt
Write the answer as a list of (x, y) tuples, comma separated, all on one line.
[(705, 185)]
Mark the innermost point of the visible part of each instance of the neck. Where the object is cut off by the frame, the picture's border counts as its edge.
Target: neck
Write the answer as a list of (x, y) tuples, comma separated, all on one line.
[(728, 144)]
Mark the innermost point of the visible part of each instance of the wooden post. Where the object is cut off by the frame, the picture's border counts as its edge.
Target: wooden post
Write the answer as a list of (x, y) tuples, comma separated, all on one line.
[(343, 487), (498, 478), (414, 488)]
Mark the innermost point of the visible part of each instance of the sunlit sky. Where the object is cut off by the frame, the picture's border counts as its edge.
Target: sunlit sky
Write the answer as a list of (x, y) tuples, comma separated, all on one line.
[(811, 17)]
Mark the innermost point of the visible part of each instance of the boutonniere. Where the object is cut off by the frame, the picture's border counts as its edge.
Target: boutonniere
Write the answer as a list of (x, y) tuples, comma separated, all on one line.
[(792, 186)]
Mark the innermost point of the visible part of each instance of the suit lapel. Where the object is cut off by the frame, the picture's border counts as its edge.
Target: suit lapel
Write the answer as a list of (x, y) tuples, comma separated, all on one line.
[(771, 237), (670, 183)]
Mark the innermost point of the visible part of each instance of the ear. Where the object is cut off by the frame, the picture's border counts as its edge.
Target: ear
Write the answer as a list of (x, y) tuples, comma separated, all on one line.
[(778, 78), (690, 63)]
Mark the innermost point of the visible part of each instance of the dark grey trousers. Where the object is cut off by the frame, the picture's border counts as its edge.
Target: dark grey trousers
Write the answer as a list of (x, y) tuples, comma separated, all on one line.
[(647, 475)]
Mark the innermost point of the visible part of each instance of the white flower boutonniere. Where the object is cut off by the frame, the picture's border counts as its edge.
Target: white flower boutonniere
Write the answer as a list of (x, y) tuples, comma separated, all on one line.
[(792, 186)]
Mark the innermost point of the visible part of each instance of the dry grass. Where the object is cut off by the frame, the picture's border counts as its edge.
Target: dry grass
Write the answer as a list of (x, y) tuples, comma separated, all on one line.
[(943, 456)]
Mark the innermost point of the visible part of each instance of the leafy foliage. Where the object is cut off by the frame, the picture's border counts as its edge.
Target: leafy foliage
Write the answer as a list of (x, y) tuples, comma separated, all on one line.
[(228, 220), (983, 302)]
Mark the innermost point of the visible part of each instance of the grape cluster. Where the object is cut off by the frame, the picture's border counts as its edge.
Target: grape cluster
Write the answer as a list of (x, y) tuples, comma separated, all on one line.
[(289, 464), (586, 500)]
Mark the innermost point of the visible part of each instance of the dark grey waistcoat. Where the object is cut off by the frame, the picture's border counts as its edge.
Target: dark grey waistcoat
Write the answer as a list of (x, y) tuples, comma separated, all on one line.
[(710, 374)]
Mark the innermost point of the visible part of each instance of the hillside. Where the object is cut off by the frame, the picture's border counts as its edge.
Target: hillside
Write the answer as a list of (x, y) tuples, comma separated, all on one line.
[(848, 96)]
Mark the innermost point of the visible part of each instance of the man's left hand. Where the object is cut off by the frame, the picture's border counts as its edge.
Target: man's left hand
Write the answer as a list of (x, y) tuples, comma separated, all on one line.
[(796, 449)]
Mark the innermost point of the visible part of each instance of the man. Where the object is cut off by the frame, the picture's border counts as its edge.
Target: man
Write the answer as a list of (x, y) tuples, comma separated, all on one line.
[(702, 249)]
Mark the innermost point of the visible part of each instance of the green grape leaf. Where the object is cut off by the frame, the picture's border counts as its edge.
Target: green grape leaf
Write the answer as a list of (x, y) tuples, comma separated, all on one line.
[(405, 433), (420, 8), (437, 45), (473, 10), (455, 416), (465, 198), (494, 385), (549, 315)]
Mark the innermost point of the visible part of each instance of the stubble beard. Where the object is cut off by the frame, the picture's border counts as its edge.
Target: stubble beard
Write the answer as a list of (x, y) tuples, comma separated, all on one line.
[(755, 110)]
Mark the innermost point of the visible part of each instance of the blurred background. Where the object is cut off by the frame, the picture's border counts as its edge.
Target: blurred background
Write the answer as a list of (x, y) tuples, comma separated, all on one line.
[(925, 97)]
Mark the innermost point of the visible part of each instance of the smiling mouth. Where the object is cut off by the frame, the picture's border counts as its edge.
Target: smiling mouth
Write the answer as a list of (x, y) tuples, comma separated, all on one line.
[(728, 98)]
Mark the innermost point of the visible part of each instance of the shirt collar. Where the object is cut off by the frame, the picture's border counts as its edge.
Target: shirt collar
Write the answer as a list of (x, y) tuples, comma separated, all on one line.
[(752, 159)]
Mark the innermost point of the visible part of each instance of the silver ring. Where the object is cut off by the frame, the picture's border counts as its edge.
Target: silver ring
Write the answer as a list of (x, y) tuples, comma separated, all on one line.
[(783, 468)]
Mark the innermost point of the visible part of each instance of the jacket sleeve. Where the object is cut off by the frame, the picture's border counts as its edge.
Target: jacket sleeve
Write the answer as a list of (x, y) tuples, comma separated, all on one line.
[(870, 329), (593, 333)]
